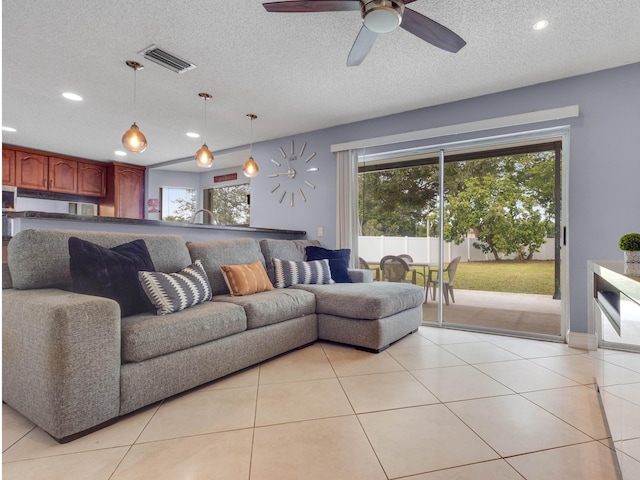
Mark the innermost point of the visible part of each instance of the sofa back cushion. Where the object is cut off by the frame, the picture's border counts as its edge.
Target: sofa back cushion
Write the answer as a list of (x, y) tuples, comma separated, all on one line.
[(215, 253), (40, 258), (293, 250)]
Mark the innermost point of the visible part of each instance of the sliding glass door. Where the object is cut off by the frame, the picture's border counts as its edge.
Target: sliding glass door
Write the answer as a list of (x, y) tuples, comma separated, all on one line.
[(481, 227)]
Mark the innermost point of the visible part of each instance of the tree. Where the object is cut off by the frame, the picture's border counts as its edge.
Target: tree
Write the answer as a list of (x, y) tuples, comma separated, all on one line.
[(229, 204), (183, 207), (509, 210), (507, 202), (395, 202)]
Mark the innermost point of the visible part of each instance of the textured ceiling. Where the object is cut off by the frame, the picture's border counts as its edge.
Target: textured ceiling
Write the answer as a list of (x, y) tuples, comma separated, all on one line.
[(289, 69)]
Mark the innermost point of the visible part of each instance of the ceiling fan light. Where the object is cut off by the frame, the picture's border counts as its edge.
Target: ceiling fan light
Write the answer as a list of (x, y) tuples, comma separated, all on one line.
[(204, 157), (382, 16), (134, 140), (250, 168)]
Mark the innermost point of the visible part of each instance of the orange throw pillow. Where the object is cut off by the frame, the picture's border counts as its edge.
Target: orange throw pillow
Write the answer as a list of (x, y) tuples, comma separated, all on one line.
[(246, 279)]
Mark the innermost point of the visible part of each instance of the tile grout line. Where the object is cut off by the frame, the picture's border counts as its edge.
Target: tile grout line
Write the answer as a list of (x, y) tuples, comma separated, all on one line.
[(131, 445)]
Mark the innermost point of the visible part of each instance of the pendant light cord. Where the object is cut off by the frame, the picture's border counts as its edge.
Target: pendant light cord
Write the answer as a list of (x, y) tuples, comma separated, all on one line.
[(251, 137), (204, 134), (135, 83), (135, 66)]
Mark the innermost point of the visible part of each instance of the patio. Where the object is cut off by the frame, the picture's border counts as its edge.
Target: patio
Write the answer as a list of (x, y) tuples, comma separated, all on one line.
[(506, 311)]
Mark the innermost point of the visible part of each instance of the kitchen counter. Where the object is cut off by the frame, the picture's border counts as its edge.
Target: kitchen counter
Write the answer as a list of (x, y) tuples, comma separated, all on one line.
[(615, 300), (613, 272), (189, 231)]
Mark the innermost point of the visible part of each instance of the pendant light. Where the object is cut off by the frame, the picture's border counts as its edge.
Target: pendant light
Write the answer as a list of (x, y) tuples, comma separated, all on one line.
[(204, 157), (250, 168), (133, 139)]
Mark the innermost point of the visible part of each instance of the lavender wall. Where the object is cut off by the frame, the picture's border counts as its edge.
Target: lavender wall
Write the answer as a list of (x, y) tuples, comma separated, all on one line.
[(604, 172)]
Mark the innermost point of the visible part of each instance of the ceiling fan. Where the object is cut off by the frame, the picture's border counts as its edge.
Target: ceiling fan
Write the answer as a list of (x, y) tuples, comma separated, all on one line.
[(378, 16)]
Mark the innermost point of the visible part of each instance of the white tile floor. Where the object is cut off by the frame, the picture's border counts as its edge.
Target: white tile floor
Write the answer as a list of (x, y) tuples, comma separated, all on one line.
[(438, 405)]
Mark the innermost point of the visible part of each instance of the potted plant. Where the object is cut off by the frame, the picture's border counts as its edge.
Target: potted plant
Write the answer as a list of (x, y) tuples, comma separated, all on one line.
[(629, 243)]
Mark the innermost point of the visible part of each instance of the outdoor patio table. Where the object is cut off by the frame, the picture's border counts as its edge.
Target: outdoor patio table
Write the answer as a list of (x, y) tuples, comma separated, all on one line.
[(425, 269)]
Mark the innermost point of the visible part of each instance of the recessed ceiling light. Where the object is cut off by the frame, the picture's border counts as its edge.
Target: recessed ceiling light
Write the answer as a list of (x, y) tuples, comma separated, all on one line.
[(120, 153), (193, 135), (8, 129), (541, 25), (72, 96)]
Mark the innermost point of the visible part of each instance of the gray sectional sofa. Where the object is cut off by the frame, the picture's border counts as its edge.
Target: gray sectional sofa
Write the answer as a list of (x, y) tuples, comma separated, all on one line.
[(71, 364)]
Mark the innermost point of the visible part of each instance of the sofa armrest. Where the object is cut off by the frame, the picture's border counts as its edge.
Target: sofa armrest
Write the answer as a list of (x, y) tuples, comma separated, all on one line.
[(61, 358), (359, 275)]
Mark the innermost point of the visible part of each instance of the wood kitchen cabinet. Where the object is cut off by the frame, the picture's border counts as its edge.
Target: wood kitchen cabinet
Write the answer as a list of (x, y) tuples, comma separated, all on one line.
[(8, 167), (36, 170), (92, 179), (40, 172), (119, 186), (63, 175), (125, 192), (32, 171)]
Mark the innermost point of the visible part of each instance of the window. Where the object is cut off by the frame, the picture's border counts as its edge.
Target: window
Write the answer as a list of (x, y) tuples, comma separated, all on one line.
[(230, 205), (178, 204)]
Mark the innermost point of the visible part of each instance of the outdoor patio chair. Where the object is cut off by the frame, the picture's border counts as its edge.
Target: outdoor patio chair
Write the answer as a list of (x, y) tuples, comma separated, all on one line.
[(365, 266), (395, 269), (449, 276), (409, 259)]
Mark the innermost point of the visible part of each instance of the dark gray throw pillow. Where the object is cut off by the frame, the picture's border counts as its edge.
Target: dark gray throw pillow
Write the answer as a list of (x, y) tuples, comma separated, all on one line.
[(111, 273), (338, 261)]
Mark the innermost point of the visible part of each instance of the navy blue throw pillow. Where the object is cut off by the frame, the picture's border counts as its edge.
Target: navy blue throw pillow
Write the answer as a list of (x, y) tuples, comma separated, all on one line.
[(338, 261), (111, 273)]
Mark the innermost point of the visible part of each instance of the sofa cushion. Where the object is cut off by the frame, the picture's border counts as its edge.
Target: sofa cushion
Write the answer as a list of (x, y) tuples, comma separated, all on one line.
[(338, 261), (40, 258), (367, 301), (146, 335), (215, 253), (6, 276), (172, 292), (246, 279), (291, 273), (275, 306), (111, 273), (293, 250)]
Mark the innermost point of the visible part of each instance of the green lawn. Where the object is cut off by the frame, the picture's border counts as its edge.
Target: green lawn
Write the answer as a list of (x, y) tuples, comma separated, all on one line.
[(505, 276)]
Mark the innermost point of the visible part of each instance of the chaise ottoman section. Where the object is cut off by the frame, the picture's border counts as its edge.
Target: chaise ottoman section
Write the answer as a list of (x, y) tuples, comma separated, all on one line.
[(370, 316)]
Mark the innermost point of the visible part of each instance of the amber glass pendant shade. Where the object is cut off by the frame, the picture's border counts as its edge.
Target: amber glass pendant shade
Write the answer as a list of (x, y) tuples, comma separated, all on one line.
[(204, 157), (134, 140), (250, 168)]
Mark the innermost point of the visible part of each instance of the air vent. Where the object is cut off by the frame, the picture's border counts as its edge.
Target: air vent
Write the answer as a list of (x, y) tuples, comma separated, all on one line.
[(166, 59)]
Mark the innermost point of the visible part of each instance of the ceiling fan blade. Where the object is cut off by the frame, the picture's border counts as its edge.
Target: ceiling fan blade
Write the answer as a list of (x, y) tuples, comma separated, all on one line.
[(431, 31), (361, 47), (304, 6)]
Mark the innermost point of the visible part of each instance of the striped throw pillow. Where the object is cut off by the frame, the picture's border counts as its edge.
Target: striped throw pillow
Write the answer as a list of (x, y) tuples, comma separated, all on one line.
[(246, 279), (289, 273), (172, 292)]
